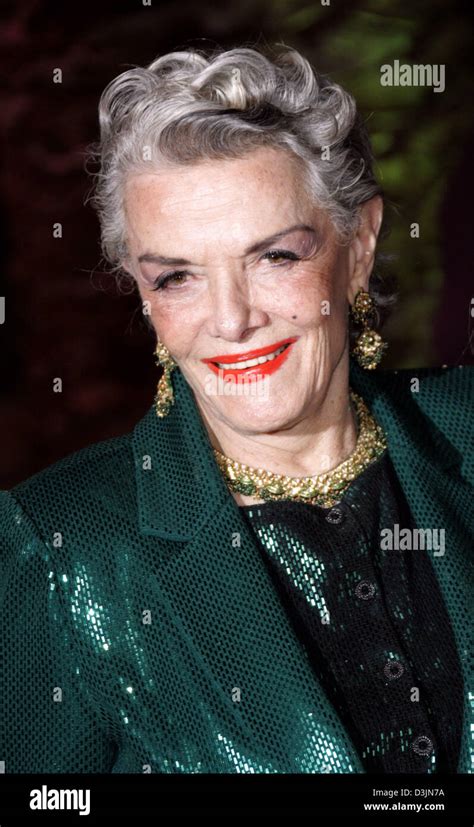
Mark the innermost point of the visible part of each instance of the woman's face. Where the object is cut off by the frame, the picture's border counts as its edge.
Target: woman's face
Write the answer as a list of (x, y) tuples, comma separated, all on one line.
[(232, 256)]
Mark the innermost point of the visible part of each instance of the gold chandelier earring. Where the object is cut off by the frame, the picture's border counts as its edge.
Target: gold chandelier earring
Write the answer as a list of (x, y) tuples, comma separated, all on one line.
[(164, 393), (369, 347)]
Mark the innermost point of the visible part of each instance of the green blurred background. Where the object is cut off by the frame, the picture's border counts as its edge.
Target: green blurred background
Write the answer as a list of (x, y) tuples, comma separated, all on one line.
[(422, 141)]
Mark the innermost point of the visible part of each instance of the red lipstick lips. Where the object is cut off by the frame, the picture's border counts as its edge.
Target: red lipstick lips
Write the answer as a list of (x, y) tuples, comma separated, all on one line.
[(264, 369)]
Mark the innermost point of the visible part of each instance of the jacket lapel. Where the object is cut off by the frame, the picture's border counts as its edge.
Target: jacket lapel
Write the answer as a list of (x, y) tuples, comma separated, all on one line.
[(177, 484)]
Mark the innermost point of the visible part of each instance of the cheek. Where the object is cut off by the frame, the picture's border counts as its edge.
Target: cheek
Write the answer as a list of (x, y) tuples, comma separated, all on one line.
[(174, 326), (165, 321), (306, 294)]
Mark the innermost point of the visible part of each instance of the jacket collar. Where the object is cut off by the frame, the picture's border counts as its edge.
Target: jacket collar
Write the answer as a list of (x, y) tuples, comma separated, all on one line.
[(180, 487)]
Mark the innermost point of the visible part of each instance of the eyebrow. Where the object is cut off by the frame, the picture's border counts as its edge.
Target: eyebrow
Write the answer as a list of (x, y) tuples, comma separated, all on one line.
[(154, 258)]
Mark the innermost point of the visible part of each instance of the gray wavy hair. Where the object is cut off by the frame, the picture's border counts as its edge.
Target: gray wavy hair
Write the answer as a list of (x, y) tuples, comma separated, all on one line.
[(188, 106)]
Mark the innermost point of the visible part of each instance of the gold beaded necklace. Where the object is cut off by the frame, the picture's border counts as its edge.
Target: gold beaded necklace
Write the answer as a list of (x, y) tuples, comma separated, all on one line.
[(323, 489)]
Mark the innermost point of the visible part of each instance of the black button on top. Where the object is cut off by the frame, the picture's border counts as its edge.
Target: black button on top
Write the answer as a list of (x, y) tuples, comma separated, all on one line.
[(335, 515), (365, 589), (422, 745), (393, 669)]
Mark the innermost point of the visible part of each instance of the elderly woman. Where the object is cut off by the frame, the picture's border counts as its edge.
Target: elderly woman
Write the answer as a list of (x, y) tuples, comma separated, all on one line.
[(269, 574)]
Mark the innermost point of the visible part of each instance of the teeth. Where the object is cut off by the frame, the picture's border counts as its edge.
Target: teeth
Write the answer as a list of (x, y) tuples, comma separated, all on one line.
[(250, 363)]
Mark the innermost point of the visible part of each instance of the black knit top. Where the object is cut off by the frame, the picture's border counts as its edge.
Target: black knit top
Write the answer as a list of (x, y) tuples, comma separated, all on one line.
[(364, 599)]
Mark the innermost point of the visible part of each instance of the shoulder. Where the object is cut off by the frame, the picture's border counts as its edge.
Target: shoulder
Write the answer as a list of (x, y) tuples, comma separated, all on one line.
[(445, 392), (458, 379), (67, 494), (434, 406), (445, 396)]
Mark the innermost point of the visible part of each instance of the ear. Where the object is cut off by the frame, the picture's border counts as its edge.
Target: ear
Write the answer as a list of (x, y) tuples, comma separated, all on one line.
[(126, 265), (362, 247)]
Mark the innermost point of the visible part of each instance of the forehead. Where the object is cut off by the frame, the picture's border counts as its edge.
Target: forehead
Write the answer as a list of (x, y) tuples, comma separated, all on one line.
[(259, 191)]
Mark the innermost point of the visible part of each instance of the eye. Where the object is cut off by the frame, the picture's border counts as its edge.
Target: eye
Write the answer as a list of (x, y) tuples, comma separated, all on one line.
[(179, 276), (161, 281), (286, 255)]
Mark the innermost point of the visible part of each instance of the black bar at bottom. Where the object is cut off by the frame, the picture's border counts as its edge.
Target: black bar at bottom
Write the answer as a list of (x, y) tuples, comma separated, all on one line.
[(61, 798)]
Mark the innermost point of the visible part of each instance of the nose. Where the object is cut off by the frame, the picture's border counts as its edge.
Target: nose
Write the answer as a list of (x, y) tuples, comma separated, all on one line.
[(232, 310)]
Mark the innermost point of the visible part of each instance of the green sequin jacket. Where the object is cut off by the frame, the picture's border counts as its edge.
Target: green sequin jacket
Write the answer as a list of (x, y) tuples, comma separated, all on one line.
[(139, 628)]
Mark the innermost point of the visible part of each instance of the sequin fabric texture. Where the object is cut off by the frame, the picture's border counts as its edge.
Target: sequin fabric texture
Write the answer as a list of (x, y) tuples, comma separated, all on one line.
[(142, 629), (373, 620)]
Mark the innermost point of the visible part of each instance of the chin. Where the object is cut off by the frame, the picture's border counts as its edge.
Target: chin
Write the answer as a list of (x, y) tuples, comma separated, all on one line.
[(257, 415)]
